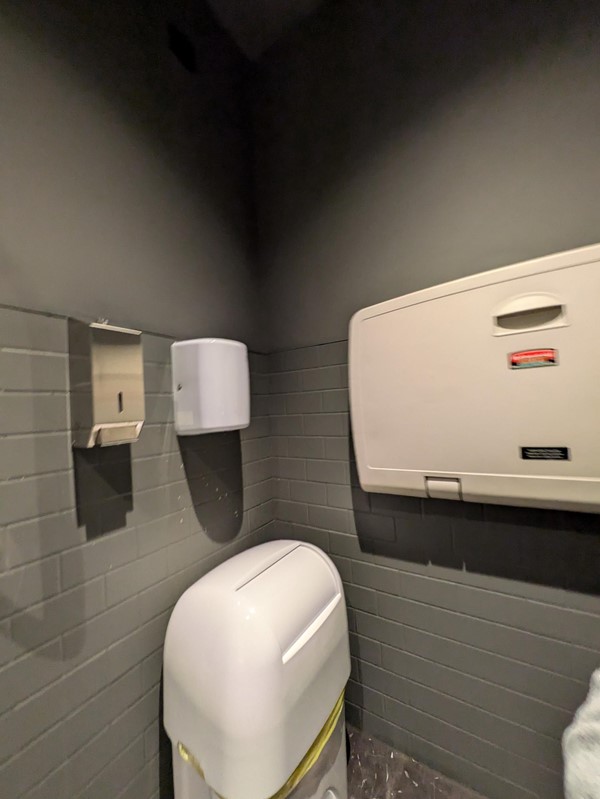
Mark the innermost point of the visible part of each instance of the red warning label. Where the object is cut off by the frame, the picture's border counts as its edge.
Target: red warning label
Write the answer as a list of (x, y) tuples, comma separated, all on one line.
[(528, 359)]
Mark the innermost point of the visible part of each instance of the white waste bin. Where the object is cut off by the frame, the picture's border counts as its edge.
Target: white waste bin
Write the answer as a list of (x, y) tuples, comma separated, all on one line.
[(256, 661)]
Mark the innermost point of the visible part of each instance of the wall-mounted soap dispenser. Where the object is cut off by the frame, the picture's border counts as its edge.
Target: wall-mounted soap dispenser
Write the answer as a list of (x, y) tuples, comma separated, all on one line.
[(211, 386), (106, 371)]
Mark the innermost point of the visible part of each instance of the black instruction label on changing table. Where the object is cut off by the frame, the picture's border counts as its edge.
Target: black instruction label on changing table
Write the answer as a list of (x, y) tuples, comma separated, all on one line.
[(545, 454)]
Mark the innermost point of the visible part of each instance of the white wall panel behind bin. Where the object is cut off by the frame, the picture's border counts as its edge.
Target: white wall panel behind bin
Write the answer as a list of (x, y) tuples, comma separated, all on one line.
[(484, 389)]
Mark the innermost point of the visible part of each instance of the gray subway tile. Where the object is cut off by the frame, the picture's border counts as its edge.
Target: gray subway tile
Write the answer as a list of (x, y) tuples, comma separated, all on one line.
[(257, 471), (281, 489), (95, 635), (466, 772), (152, 669), (259, 362), (380, 630), (28, 585), (370, 700), (259, 384), (314, 493), (32, 413), (324, 471), (25, 371), (305, 447), (128, 652), (35, 496), (432, 634), (157, 349), (158, 378), (371, 576), (328, 518), (346, 545), (365, 649), (97, 557), (292, 360), (291, 511), (279, 446), (334, 353), (260, 406), (521, 741), (337, 448), (155, 502), (258, 493), (159, 533), (311, 535), (343, 565), (25, 456), (182, 553), (491, 757), (155, 439), (361, 598), (336, 401), (286, 425), (146, 784), (261, 515), (107, 704), (259, 427), (285, 382), (375, 525), (339, 496), (320, 379), (151, 741), (159, 409), (29, 719), (290, 468), (32, 331), (304, 402), (119, 772), (31, 672), (54, 616), (536, 617), (326, 424), (277, 404), (257, 449)]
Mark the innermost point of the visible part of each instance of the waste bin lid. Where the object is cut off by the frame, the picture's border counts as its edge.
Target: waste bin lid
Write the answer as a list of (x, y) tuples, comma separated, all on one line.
[(256, 655)]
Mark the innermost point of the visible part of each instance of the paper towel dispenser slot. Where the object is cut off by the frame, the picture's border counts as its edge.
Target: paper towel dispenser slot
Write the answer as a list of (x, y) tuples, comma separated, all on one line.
[(107, 384), (531, 312)]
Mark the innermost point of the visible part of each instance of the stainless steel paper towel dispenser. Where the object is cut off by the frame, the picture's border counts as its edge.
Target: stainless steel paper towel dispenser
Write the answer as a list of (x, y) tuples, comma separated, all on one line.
[(106, 372)]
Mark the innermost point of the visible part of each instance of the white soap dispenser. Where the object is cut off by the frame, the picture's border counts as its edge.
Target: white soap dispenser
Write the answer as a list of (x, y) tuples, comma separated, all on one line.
[(211, 386)]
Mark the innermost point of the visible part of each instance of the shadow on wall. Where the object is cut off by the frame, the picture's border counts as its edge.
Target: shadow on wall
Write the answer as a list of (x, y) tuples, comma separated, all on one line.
[(553, 548), (213, 470), (103, 488), (165, 752)]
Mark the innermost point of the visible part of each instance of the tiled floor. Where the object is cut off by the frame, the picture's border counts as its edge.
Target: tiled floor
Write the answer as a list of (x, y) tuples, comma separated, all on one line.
[(378, 772)]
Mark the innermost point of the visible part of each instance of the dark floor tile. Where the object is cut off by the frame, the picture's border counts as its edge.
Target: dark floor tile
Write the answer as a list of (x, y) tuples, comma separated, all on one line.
[(376, 771)]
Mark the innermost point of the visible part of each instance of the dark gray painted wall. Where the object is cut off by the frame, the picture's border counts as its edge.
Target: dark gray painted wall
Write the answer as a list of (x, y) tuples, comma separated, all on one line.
[(401, 145), (124, 193), (405, 144), (474, 629), (125, 179), (96, 546)]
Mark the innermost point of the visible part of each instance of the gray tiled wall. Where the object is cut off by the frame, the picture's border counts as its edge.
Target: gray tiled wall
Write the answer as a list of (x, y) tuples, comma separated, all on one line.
[(94, 551), (474, 628)]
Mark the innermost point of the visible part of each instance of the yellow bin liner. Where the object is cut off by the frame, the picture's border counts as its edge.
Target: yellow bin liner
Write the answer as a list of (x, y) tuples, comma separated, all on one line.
[(305, 765)]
